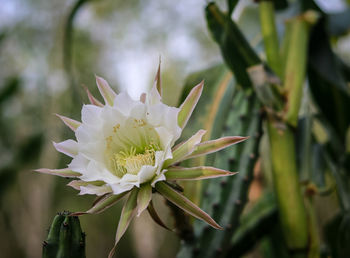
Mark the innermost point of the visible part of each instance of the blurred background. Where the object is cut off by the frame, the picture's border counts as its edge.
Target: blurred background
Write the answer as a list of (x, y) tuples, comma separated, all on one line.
[(48, 50)]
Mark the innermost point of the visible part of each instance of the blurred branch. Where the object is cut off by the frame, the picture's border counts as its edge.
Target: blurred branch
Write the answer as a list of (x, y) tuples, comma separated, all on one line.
[(68, 45)]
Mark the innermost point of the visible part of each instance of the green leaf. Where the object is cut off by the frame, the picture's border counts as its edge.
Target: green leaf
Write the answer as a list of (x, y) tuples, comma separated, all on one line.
[(208, 147), (231, 4), (235, 49), (328, 85), (102, 204), (143, 198), (195, 173), (185, 204), (189, 104), (128, 212), (337, 235), (154, 215)]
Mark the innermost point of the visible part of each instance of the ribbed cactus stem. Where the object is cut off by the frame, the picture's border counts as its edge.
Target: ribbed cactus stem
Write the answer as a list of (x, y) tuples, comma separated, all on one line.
[(65, 238), (225, 199)]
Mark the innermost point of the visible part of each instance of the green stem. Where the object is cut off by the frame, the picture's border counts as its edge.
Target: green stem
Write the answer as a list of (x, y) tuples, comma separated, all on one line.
[(293, 215), (269, 32), (285, 45), (296, 64), (286, 183), (314, 241)]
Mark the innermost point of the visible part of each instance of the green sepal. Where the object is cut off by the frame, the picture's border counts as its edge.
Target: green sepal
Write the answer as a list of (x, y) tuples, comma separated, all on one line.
[(143, 198), (128, 212), (102, 204), (195, 173)]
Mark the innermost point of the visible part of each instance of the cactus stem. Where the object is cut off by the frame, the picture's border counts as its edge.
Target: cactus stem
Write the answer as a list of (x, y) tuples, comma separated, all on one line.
[(242, 117), (223, 183)]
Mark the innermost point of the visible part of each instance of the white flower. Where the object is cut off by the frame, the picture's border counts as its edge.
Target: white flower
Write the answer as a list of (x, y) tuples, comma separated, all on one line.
[(127, 146), (123, 143)]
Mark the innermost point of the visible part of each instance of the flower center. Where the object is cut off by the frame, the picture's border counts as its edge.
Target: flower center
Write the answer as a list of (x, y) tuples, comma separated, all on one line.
[(130, 162), (131, 146)]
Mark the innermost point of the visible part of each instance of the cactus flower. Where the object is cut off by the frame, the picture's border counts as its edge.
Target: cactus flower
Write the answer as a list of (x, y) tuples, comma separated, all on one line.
[(127, 147)]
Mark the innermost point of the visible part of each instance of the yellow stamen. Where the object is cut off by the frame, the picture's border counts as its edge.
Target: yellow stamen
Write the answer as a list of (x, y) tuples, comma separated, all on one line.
[(131, 162)]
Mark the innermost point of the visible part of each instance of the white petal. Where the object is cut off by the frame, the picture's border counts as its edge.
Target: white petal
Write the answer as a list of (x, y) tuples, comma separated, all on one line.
[(68, 147), (86, 133), (138, 111), (165, 116), (118, 188), (158, 178), (128, 181), (93, 189), (91, 115), (93, 150), (79, 164), (165, 136), (146, 173), (153, 97), (111, 117), (125, 104), (95, 171)]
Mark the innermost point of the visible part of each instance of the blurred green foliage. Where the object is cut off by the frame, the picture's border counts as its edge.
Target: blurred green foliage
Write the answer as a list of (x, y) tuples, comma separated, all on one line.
[(48, 49)]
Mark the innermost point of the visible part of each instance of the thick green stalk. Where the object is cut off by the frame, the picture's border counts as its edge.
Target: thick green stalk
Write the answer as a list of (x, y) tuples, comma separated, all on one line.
[(296, 65), (293, 215), (269, 32), (286, 183)]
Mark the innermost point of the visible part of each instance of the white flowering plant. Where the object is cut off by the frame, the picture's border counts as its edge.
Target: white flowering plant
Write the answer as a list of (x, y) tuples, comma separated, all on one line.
[(127, 147)]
